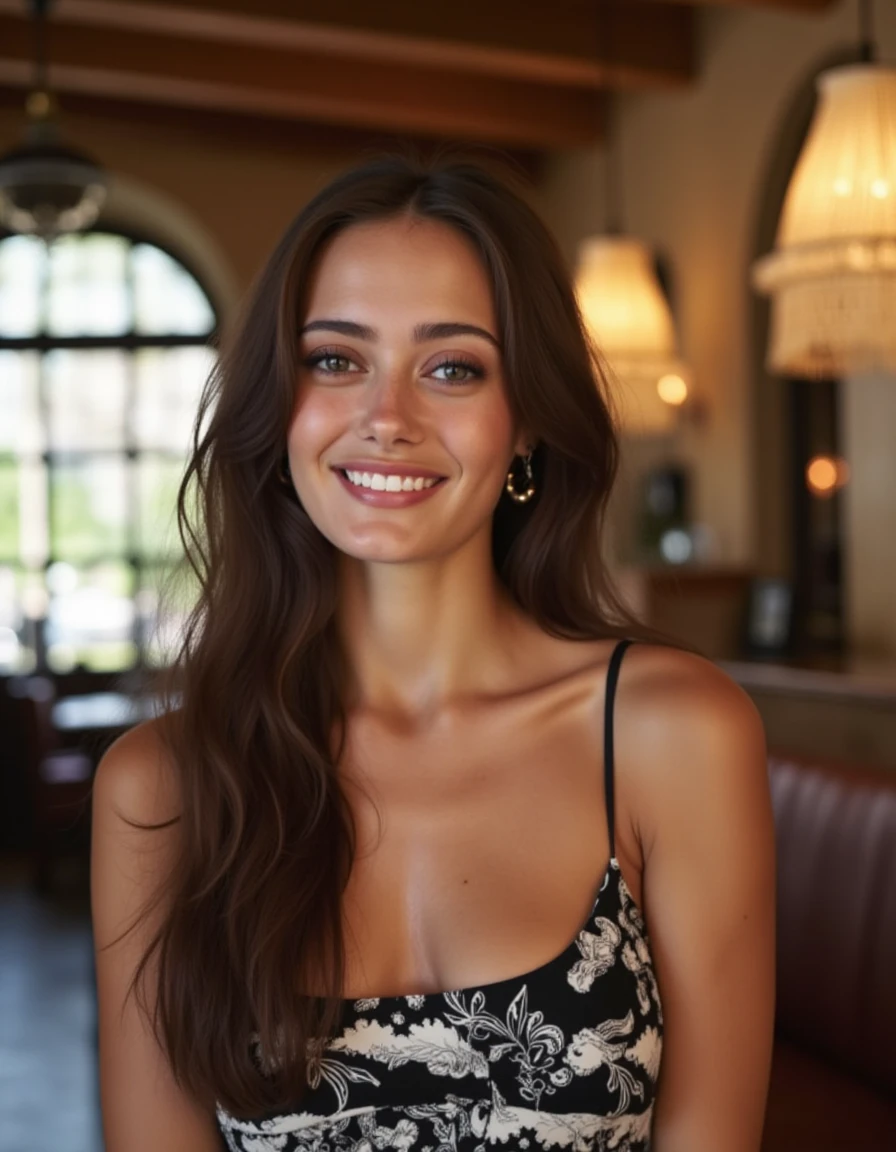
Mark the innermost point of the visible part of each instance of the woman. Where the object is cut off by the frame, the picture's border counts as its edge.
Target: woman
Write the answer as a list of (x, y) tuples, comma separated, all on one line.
[(404, 869)]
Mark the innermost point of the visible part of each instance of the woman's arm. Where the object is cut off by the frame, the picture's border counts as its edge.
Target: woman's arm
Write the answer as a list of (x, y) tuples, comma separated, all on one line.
[(699, 765), (143, 1109)]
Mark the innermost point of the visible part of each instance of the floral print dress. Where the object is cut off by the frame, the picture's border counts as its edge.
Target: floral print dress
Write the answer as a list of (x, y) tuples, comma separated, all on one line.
[(566, 1056)]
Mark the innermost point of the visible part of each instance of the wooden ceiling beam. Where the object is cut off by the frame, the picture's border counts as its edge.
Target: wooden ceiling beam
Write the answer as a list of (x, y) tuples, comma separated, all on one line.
[(296, 84), (502, 72), (272, 134), (589, 43), (793, 5)]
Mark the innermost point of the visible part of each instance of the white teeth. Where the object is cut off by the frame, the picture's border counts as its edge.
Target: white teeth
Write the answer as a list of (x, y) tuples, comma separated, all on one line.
[(391, 483)]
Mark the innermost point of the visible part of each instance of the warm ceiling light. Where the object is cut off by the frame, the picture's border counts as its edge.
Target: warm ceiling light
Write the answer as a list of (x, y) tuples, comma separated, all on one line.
[(832, 276), (47, 188), (628, 316)]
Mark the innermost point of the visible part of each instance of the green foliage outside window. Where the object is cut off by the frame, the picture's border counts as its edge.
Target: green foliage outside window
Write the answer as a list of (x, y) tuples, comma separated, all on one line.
[(103, 353)]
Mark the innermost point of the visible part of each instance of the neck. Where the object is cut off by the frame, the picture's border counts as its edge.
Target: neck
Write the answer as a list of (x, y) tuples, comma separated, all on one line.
[(420, 637)]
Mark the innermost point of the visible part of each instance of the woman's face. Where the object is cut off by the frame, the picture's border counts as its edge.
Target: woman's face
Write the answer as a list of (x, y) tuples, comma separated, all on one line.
[(400, 366)]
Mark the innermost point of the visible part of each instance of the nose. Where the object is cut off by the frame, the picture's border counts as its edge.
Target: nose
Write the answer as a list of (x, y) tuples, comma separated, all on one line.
[(388, 409)]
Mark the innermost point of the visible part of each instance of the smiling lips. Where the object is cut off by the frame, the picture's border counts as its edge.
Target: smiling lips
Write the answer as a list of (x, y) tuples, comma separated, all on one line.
[(388, 489), (381, 482)]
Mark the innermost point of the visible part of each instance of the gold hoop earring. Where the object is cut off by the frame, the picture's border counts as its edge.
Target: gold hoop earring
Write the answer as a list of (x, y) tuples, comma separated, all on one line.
[(510, 487)]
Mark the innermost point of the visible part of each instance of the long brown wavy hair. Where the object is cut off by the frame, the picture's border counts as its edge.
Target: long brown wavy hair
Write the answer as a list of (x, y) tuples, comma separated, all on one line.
[(265, 839)]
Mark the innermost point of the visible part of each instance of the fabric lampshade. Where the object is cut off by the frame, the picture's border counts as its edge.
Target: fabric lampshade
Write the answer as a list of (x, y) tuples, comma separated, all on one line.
[(628, 317), (832, 276)]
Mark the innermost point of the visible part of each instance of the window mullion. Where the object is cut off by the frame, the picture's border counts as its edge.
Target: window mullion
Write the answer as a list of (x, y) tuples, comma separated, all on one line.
[(104, 541)]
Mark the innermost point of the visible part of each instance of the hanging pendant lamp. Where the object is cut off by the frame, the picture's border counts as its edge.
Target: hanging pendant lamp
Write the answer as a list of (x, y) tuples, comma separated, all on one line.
[(625, 308), (832, 276), (627, 313), (47, 188)]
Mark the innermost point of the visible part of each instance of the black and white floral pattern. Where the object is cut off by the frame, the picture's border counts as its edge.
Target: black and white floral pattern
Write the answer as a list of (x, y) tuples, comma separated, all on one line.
[(564, 1057)]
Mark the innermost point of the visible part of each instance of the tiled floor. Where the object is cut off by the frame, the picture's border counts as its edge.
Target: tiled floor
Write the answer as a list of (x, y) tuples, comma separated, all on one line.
[(48, 1084)]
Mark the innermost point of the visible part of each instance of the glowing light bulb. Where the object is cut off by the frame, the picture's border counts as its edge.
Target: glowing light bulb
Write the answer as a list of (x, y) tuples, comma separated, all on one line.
[(880, 188), (673, 389), (842, 186), (825, 474)]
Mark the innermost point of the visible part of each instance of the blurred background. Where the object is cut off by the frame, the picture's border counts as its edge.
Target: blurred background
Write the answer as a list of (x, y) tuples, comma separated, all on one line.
[(721, 177)]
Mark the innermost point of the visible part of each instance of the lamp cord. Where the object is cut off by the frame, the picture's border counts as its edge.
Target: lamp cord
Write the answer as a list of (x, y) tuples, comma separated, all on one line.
[(39, 11), (612, 182), (867, 49)]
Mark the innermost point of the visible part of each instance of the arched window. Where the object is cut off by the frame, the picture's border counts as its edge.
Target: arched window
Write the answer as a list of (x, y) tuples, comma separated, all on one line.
[(104, 348)]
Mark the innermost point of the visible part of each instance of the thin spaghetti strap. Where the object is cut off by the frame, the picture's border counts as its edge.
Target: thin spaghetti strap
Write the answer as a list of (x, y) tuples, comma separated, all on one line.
[(609, 773)]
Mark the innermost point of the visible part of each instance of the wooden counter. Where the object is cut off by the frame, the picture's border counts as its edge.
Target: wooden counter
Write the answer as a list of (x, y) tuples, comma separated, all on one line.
[(845, 711)]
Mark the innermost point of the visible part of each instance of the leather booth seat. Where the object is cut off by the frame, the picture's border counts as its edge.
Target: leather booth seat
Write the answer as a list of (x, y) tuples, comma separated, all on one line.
[(833, 1081)]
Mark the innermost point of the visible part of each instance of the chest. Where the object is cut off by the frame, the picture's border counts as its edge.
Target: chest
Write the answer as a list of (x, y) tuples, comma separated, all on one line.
[(481, 842), (568, 1051)]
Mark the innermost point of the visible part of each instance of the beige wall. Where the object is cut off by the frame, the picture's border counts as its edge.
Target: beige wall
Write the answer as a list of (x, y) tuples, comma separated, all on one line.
[(694, 167), (869, 419)]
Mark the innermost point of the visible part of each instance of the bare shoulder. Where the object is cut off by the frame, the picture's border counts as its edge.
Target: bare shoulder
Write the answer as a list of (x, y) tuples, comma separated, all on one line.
[(685, 727), (665, 680), (671, 697), (136, 780), (136, 805)]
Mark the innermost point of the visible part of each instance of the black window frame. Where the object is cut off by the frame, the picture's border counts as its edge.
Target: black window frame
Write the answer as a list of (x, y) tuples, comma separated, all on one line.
[(129, 342)]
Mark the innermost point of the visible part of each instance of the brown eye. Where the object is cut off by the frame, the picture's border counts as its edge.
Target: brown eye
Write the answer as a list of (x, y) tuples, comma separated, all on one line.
[(458, 371), (332, 363)]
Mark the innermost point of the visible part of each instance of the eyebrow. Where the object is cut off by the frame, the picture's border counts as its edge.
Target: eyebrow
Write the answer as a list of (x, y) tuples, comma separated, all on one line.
[(422, 332)]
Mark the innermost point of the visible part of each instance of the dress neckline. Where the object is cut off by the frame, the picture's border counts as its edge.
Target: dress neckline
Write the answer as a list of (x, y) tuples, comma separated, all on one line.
[(523, 977)]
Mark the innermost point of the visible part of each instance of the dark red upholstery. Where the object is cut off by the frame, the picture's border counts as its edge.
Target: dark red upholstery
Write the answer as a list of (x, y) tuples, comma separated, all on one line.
[(814, 1106), (833, 1083), (59, 778)]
